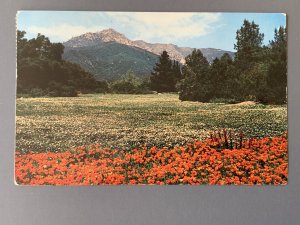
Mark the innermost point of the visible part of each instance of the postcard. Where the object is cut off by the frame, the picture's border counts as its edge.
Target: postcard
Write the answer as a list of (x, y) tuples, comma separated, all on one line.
[(151, 98)]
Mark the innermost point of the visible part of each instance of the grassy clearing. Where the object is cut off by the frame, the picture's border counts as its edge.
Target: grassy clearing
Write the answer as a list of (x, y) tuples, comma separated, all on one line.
[(126, 120)]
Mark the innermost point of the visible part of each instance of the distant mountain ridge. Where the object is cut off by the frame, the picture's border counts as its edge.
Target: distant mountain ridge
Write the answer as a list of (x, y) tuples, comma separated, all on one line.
[(92, 52)]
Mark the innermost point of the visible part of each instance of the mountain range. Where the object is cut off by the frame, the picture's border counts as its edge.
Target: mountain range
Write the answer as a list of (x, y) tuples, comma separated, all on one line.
[(109, 54)]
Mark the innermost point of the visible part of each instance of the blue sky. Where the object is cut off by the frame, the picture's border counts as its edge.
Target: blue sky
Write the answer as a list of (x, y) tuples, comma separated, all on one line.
[(197, 30)]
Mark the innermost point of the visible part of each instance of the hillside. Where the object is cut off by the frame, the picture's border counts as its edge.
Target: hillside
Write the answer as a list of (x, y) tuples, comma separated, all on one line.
[(111, 60)]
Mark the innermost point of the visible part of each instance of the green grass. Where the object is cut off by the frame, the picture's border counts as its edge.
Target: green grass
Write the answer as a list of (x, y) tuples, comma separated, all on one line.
[(125, 120)]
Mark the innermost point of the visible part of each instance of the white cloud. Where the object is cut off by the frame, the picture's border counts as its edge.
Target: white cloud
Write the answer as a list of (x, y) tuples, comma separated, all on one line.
[(148, 26), (63, 32), (166, 26)]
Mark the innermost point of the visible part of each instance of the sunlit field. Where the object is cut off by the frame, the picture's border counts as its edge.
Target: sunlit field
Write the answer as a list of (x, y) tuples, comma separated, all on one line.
[(115, 120), (148, 139)]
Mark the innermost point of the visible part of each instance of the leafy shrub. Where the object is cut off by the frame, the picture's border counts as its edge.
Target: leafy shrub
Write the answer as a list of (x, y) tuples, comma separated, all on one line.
[(129, 84)]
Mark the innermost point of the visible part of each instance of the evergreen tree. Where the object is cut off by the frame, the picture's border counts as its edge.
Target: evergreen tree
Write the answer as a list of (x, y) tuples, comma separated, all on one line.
[(162, 78), (277, 73), (253, 83), (195, 83), (258, 73), (248, 45), (220, 77), (176, 70), (251, 61)]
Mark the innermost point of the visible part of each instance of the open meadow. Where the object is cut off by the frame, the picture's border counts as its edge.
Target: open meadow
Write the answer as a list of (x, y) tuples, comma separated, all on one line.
[(161, 114), (58, 124), (148, 139)]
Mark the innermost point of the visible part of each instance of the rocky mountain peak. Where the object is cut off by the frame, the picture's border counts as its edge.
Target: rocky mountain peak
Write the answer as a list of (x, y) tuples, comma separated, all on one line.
[(110, 35), (90, 39)]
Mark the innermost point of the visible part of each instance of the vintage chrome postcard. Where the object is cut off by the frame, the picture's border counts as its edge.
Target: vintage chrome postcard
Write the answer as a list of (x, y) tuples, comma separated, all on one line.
[(151, 98)]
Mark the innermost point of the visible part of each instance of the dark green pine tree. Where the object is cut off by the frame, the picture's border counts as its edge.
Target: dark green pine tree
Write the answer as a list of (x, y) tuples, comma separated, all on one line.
[(220, 77), (177, 75), (162, 77), (248, 45), (195, 85), (250, 63), (277, 73)]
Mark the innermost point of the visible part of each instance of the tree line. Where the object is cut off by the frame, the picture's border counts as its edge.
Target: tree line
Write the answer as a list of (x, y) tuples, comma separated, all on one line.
[(42, 71), (256, 73)]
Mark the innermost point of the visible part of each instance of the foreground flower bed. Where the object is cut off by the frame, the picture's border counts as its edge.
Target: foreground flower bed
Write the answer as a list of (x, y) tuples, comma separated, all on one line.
[(263, 161)]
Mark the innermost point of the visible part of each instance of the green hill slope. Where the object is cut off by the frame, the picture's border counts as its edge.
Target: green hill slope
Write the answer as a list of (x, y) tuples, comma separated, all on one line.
[(111, 60)]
